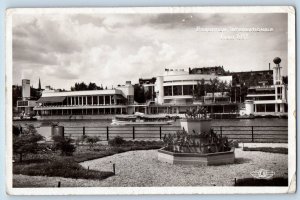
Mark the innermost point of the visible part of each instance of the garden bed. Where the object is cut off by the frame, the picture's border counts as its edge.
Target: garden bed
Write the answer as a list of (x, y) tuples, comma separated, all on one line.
[(218, 158)]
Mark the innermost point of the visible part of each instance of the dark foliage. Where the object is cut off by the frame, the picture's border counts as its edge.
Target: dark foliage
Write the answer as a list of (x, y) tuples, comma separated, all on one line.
[(83, 86), (16, 130), (67, 168), (27, 142), (117, 141), (92, 140), (139, 94), (64, 145)]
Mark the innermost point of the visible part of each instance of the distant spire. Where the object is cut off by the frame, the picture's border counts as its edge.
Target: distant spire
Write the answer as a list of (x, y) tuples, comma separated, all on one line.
[(40, 84)]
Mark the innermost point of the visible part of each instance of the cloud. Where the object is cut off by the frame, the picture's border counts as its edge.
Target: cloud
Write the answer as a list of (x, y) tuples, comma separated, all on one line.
[(111, 48)]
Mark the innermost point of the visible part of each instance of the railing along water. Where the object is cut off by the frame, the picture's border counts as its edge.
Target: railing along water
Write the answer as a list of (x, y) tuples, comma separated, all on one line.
[(271, 134)]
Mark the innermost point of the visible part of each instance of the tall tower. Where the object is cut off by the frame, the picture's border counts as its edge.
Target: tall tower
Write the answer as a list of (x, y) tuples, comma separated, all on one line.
[(25, 89), (40, 87), (277, 80)]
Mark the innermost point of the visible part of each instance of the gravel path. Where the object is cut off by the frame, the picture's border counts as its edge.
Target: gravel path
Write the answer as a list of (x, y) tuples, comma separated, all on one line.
[(141, 168)]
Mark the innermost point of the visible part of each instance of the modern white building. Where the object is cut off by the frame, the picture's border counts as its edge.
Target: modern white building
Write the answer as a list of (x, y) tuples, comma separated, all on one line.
[(176, 86), (269, 99), (91, 102)]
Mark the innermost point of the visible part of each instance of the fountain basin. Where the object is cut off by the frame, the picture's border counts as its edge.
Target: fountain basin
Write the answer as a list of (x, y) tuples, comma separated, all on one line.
[(219, 158)]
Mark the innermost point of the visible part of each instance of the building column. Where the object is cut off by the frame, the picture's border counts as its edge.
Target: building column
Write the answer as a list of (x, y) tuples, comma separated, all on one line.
[(265, 107), (98, 101), (281, 107), (104, 100), (109, 99), (92, 100), (86, 100), (71, 100), (82, 100)]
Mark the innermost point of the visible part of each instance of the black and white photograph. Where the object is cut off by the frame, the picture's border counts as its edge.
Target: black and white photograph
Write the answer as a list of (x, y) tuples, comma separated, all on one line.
[(166, 100)]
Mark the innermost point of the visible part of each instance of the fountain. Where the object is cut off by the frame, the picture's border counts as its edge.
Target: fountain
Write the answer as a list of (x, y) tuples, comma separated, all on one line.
[(196, 143)]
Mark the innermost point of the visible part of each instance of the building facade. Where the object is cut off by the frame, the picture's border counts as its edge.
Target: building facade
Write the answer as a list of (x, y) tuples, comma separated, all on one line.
[(90, 102), (270, 99), (174, 93), (25, 107)]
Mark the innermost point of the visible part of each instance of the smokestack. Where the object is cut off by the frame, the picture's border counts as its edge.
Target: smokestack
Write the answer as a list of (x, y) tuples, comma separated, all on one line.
[(269, 66)]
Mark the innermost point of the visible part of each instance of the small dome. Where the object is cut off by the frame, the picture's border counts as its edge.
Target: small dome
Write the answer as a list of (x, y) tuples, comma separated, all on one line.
[(277, 60)]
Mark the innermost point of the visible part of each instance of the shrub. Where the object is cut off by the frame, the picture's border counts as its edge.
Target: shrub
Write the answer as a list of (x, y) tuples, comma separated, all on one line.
[(27, 142), (92, 140), (16, 130), (117, 141), (64, 144)]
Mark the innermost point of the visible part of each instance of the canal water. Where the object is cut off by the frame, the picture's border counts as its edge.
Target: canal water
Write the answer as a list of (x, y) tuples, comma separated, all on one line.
[(215, 122)]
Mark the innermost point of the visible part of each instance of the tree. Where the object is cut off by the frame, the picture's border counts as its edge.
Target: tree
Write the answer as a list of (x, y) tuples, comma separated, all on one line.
[(199, 89), (26, 142), (16, 94), (35, 93), (83, 86), (139, 94), (222, 87), (214, 83)]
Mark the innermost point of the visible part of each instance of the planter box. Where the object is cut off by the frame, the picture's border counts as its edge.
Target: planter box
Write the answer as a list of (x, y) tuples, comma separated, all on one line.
[(198, 125), (219, 158)]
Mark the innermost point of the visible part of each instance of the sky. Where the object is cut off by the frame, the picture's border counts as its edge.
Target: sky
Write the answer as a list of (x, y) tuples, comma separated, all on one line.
[(109, 49)]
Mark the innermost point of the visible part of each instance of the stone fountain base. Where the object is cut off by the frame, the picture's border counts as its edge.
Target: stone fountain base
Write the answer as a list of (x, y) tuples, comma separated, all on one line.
[(219, 158)]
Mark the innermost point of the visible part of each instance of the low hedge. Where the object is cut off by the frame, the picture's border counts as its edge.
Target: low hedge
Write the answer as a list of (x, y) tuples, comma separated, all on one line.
[(280, 150), (66, 168)]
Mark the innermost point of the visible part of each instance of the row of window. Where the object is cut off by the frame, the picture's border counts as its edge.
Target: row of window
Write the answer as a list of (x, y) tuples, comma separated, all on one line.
[(178, 90), (22, 103), (89, 100)]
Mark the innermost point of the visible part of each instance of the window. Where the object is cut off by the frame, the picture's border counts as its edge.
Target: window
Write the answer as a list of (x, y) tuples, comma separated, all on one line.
[(270, 107), (177, 90), (260, 108), (107, 100), (187, 90), (95, 100), (168, 90)]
